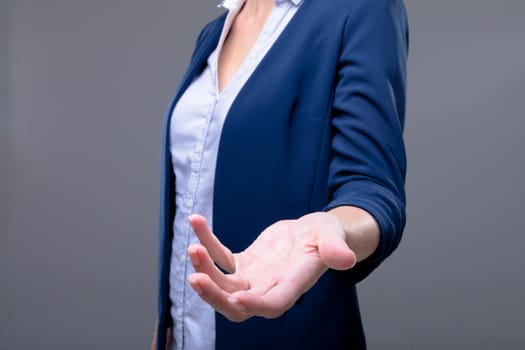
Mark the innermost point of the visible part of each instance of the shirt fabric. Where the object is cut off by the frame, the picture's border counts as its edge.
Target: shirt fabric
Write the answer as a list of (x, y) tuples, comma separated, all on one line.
[(197, 122)]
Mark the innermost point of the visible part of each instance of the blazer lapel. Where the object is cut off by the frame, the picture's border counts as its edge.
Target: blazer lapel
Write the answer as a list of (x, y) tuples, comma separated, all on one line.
[(205, 46), (206, 43)]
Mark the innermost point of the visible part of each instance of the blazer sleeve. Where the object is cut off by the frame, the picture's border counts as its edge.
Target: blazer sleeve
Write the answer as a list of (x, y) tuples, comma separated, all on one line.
[(369, 163)]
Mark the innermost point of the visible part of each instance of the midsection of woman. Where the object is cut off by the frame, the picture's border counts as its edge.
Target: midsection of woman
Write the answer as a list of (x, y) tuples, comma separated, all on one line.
[(292, 109)]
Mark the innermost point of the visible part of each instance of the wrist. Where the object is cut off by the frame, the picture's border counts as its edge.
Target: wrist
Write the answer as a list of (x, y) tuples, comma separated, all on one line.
[(360, 229)]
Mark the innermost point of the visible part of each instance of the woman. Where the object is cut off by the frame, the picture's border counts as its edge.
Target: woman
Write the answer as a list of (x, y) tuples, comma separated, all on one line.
[(285, 137)]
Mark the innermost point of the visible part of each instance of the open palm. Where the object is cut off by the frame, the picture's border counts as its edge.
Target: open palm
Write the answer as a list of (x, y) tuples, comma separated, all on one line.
[(269, 276)]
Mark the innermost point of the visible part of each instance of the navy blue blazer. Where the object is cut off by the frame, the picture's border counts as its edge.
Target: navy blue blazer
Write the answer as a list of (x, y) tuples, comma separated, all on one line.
[(318, 125)]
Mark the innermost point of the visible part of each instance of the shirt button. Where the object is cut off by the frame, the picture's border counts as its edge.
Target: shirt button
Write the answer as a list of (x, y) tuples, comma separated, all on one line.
[(198, 148), (182, 258), (179, 312)]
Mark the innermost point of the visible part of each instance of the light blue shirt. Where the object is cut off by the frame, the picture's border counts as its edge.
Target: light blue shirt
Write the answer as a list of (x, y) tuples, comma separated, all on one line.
[(197, 122)]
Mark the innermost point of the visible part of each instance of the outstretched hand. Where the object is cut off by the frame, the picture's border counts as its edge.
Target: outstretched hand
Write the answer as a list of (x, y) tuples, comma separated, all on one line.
[(269, 276)]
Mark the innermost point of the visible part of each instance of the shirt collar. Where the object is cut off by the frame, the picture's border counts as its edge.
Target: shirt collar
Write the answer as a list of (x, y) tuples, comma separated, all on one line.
[(236, 4)]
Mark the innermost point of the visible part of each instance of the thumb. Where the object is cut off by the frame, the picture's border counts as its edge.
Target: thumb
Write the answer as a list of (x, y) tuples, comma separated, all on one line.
[(334, 251)]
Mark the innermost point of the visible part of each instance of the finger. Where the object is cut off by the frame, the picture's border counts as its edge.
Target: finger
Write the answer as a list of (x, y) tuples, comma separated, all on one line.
[(273, 304), (169, 336), (334, 252), (218, 252), (203, 263), (210, 292)]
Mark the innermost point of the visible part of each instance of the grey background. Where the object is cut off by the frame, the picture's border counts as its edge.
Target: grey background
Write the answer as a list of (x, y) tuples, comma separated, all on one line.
[(3, 160), (88, 84)]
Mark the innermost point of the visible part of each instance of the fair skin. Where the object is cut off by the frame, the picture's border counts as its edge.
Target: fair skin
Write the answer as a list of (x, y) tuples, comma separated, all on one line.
[(242, 37), (284, 262), (288, 257)]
